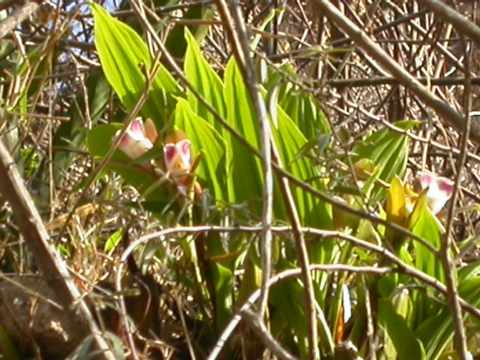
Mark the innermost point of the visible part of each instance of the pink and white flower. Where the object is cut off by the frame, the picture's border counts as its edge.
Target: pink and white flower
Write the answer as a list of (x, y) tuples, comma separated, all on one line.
[(177, 157), (178, 162), (439, 190), (138, 139)]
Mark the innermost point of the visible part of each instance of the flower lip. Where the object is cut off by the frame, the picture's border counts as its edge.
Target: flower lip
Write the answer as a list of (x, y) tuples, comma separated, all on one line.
[(177, 157), (446, 185)]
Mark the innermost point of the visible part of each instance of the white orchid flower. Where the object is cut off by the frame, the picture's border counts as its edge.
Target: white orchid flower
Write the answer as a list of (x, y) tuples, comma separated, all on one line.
[(439, 190), (138, 139)]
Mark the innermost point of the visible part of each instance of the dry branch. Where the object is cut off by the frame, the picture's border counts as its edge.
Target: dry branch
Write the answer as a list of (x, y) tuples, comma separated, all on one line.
[(36, 237)]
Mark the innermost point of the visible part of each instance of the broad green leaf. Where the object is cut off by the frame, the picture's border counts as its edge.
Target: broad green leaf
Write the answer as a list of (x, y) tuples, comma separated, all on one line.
[(245, 169), (223, 279), (176, 42), (437, 331), (288, 315), (205, 140), (290, 140), (407, 345), (306, 112), (388, 150), (205, 80), (122, 54), (425, 225)]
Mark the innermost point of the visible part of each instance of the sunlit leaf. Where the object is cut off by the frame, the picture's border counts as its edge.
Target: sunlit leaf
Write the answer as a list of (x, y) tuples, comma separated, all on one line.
[(113, 241), (246, 170), (306, 112), (122, 53), (290, 141), (407, 345), (388, 150), (205, 80), (424, 224)]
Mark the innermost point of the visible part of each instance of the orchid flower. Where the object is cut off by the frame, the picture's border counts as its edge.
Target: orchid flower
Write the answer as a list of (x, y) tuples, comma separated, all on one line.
[(138, 138), (178, 162), (439, 190)]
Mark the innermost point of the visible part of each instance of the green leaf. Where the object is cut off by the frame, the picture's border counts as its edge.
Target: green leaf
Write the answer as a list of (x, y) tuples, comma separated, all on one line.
[(205, 80), (288, 315), (223, 281), (306, 112), (175, 42), (425, 225), (122, 53), (437, 331), (113, 241), (290, 140), (388, 150), (205, 140), (245, 169), (407, 345)]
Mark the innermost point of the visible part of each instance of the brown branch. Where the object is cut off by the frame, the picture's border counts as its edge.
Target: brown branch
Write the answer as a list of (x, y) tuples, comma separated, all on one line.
[(49, 262), (381, 80), (236, 28), (460, 22), (444, 110), (445, 251), (261, 330)]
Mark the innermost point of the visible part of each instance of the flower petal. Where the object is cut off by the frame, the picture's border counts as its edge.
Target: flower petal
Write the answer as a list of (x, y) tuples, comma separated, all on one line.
[(136, 127), (439, 190), (183, 148), (169, 155), (151, 131), (134, 143)]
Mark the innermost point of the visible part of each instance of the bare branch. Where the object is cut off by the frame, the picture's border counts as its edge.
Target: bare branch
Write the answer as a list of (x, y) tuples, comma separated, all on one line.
[(449, 114)]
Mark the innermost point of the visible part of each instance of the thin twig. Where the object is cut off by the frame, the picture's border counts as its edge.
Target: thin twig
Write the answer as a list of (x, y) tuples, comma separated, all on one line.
[(236, 28), (319, 234), (445, 251), (268, 340), (449, 114), (462, 24)]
